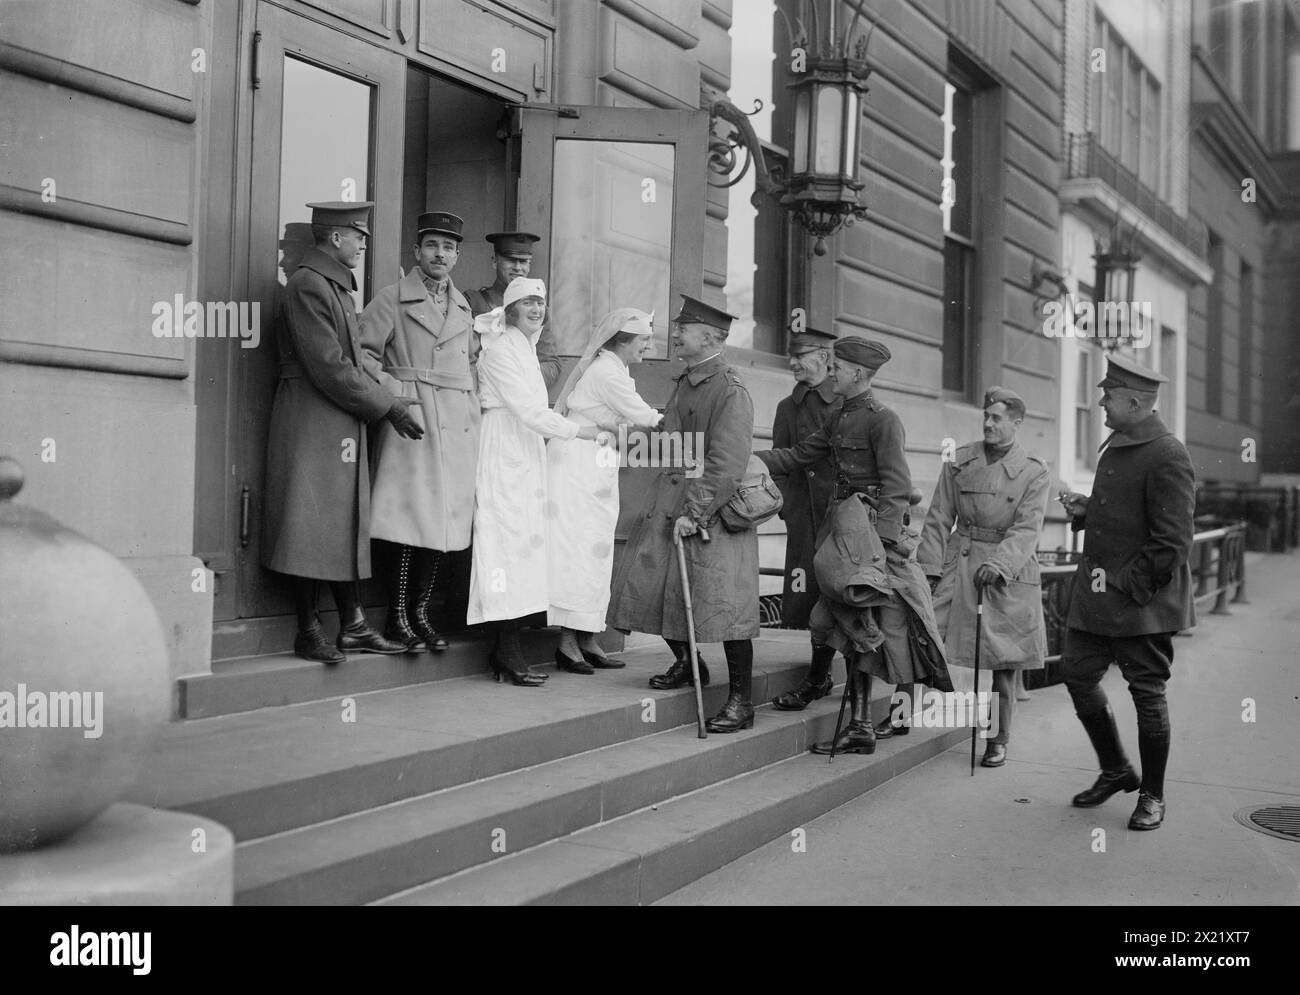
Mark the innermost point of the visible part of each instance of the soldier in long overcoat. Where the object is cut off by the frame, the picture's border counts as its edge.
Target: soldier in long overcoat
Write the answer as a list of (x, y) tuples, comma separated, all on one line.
[(995, 494), (421, 331), (317, 507), (806, 493), (1133, 588), (709, 404)]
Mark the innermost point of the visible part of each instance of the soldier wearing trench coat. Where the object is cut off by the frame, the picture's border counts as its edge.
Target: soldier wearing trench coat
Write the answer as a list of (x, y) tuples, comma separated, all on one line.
[(424, 491), (421, 330), (805, 490), (998, 511), (712, 414), (995, 494), (317, 464), (647, 589)]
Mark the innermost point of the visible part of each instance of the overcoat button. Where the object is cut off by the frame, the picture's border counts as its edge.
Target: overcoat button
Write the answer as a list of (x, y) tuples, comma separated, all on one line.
[(965, 552), (1103, 500), (1010, 498)]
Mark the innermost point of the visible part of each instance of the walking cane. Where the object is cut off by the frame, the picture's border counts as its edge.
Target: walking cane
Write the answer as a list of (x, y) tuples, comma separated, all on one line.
[(844, 698), (690, 627), (979, 631)]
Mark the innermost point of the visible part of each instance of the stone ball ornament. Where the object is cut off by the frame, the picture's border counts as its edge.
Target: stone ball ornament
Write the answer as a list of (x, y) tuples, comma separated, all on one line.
[(84, 677)]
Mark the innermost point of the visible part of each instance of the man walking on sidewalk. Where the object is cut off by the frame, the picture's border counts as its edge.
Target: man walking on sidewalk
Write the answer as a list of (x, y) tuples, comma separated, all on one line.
[(1132, 590)]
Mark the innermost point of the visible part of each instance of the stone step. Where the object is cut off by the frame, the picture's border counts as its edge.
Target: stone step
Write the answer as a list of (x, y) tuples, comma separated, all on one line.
[(641, 857), (249, 683), (366, 856), (279, 769)]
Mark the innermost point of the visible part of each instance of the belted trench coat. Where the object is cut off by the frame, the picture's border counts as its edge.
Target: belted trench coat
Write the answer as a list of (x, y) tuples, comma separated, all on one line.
[(317, 500), (998, 512), (424, 489), (709, 399)]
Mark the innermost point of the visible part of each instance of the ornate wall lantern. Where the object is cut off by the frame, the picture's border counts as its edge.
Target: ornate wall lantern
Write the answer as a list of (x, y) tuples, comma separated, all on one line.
[(1116, 275), (829, 72)]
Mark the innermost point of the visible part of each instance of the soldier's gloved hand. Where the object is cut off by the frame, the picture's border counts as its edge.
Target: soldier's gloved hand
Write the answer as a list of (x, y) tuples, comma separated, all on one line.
[(987, 575), (685, 527), (401, 419)]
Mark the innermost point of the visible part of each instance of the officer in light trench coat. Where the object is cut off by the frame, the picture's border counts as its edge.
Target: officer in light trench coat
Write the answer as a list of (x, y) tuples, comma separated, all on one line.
[(317, 507), (422, 332), (710, 403), (995, 494)]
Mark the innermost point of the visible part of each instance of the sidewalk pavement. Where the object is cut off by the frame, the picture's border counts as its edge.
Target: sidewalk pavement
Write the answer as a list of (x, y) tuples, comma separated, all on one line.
[(1009, 836)]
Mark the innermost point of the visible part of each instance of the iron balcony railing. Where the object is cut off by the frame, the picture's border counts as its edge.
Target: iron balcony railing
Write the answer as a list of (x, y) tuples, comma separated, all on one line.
[(1086, 159)]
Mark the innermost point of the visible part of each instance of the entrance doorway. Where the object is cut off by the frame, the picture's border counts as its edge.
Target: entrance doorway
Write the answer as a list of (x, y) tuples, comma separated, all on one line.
[(616, 194)]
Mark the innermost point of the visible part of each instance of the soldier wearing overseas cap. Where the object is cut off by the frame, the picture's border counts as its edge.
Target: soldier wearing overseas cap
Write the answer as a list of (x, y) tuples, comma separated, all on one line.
[(512, 257), (421, 331), (806, 493), (317, 466), (995, 494), (1133, 588), (864, 442), (709, 404)]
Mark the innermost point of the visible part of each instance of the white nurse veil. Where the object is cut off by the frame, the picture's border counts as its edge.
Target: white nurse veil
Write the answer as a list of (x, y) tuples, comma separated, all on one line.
[(623, 319)]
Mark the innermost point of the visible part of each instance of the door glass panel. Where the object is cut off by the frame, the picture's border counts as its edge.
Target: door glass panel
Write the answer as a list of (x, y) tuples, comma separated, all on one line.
[(611, 237), (324, 153)]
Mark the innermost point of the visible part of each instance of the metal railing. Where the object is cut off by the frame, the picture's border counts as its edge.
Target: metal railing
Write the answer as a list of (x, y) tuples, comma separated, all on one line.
[(1271, 514), (1086, 159)]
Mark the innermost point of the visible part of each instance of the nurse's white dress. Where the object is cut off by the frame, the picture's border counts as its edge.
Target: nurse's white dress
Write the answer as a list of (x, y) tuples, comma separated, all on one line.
[(581, 509), (510, 573)]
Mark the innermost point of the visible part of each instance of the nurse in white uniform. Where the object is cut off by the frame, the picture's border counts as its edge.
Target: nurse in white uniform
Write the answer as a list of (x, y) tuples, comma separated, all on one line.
[(582, 499), (510, 574)]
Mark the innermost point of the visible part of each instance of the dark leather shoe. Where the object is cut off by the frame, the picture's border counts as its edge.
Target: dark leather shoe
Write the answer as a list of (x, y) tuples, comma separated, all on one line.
[(1106, 785), (573, 666), (359, 637), (797, 699), (995, 755), (602, 662), (311, 644), (859, 737), (679, 676), (886, 728), (1149, 814), (736, 714)]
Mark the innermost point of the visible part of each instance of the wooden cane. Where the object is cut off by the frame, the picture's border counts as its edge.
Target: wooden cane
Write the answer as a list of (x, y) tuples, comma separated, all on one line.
[(690, 628)]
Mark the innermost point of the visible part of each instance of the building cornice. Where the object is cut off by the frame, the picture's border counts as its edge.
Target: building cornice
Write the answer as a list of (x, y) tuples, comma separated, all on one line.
[(1097, 202)]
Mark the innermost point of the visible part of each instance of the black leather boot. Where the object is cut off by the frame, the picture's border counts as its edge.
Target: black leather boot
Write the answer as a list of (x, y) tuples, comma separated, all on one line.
[(310, 642), (886, 728), (738, 712), (859, 736), (817, 684), (355, 634), (507, 660), (679, 674), (398, 628), (1153, 748), (1117, 774), (426, 580)]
